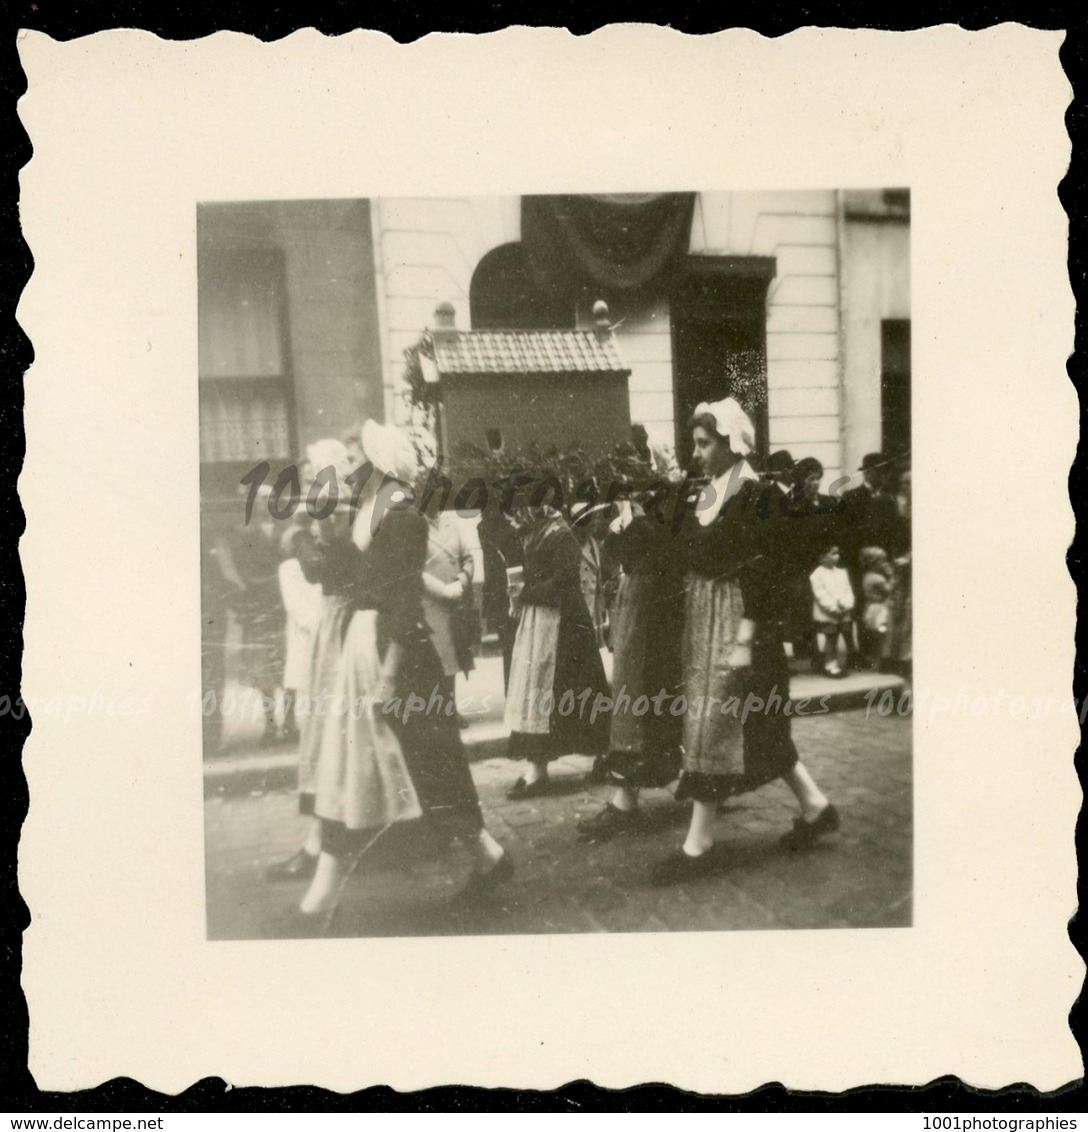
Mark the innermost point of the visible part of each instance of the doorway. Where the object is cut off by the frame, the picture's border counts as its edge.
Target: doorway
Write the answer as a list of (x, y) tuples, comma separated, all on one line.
[(895, 386), (719, 340)]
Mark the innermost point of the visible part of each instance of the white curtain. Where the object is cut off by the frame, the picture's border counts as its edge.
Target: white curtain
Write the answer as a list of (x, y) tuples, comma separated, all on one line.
[(243, 380), (243, 420)]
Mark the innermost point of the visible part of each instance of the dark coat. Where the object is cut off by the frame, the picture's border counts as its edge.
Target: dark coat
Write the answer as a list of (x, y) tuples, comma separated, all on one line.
[(389, 578), (552, 558), (757, 541), (869, 519), (647, 632), (501, 548)]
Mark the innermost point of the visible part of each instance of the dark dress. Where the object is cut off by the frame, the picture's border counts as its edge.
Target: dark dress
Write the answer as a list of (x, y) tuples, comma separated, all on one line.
[(387, 607), (552, 581), (777, 573), (647, 627), (501, 549)]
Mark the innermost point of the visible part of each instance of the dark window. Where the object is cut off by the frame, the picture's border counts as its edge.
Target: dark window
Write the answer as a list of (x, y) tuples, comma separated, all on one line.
[(898, 199), (895, 385), (506, 294), (719, 340)]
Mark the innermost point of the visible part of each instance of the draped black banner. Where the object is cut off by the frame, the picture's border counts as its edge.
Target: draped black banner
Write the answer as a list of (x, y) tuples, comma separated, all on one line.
[(617, 242)]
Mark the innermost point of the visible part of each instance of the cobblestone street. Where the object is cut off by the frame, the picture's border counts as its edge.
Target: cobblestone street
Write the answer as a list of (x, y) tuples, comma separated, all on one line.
[(860, 877)]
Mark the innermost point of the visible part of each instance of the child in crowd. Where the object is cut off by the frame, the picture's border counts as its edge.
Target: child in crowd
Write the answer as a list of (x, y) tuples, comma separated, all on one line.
[(876, 587), (832, 611), (302, 602)]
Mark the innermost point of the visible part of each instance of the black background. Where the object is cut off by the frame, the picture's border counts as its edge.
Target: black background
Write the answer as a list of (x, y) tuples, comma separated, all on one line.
[(404, 23)]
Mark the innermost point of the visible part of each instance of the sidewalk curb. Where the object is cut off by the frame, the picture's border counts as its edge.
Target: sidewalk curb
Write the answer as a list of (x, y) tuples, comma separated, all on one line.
[(258, 773), (254, 772)]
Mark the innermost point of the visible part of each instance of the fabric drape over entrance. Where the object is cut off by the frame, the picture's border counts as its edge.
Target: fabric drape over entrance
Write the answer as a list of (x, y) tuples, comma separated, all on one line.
[(617, 242)]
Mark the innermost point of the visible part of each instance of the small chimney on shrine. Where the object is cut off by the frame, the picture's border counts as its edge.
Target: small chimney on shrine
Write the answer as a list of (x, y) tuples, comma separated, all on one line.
[(601, 321), (445, 317)]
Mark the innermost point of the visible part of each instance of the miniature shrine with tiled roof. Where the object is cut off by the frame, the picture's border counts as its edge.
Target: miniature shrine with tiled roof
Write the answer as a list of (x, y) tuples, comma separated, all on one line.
[(530, 386)]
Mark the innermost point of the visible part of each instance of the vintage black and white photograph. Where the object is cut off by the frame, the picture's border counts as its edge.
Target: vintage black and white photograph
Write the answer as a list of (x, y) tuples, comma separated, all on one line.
[(470, 514), (556, 560)]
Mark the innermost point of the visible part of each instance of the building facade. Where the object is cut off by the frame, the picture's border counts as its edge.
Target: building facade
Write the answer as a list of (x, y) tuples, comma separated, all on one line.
[(289, 337), (796, 302)]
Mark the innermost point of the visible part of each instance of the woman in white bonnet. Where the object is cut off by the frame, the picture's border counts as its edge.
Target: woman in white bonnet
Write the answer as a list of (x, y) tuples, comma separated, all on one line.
[(378, 763), (731, 642)]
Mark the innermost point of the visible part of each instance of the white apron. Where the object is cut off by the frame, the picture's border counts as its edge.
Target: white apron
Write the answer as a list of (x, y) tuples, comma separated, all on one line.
[(362, 779), (532, 671)]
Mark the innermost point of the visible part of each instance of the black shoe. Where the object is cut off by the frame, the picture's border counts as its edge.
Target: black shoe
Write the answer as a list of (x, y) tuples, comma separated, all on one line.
[(597, 772), (806, 833), (661, 770), (678, 867), (607, 823), (522, 789), (479, 885), (299, 866)]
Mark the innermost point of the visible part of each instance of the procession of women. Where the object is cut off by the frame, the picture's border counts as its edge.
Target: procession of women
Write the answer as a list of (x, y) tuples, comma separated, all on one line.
[(704, 588)]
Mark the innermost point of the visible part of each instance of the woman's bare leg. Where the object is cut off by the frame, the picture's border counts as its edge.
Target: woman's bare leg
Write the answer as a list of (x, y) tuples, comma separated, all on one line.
[(312, 844), (624, 798), (812, 800), (324, 890), (536, 771), (701, 830), (486, 851)]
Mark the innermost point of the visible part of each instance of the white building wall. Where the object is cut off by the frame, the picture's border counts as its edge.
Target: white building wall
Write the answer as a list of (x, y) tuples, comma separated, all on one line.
[(643, 333), (876, 275), (426, 251), (803, 364)]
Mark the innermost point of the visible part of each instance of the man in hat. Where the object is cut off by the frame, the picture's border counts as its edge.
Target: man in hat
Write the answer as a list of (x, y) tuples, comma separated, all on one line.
[(869, 515), (776, 502), (778, 471)]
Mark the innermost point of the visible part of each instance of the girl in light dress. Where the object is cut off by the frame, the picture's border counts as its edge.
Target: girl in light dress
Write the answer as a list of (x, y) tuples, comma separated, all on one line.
[(832, 611), (326, 558), (877, 575), (302, 601)]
